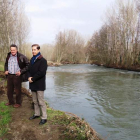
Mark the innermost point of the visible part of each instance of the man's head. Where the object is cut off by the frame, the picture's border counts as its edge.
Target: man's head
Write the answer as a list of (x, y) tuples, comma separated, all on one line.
[(35, 49), (13, 49)]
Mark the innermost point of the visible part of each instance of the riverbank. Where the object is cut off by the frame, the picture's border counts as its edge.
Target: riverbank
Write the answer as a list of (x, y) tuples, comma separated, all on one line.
[(129, 68), (51, 63), (60, 125)]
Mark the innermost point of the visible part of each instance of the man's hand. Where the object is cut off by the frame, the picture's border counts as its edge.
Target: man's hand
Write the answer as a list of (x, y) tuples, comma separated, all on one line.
[(18, 73), (29, 79), (6, 72)]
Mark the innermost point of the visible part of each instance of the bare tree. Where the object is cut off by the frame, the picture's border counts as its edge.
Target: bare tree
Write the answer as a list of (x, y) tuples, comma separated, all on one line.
[(13, 25), (47, 51), (69, 47), (117, 39)]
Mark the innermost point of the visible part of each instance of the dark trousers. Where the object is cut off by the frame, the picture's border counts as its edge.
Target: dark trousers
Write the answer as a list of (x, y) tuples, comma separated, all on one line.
[(14, 84)]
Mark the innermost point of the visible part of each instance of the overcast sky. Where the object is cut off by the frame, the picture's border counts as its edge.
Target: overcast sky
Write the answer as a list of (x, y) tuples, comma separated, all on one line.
[(48, 17)]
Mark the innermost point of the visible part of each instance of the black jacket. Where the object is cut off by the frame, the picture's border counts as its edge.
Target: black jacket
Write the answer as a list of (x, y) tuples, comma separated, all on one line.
[(38, 72), (23, 64)]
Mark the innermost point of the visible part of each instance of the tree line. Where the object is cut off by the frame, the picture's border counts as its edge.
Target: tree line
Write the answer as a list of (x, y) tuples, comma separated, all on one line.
[(69, 47), (115, 44)]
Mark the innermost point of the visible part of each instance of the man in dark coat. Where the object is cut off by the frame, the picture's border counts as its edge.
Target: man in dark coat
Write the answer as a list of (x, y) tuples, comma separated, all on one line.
[(37, 76), (16, 66)]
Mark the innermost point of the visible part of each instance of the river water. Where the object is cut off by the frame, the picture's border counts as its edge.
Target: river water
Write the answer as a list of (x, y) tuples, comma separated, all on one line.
[(108, 99)]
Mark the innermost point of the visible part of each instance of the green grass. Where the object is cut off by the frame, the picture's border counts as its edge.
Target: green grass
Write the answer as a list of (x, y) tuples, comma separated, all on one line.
[(53, 113), (5, 118), (1, 66), (73, 130)]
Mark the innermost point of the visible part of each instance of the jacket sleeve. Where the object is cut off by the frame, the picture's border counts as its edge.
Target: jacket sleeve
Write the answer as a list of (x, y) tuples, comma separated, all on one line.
[(41, 72), (26, 65), (29, 75), (6, 64)]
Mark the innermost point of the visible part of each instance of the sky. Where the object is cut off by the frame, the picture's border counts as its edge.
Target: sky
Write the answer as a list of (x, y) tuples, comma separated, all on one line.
[(49, 17)]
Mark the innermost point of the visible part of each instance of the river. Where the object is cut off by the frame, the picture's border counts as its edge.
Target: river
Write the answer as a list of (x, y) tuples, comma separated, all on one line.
[(108, 99)]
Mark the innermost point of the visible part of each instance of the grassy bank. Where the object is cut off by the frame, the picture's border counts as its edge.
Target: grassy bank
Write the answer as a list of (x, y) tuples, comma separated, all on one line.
[(75, 128), (5, 118)]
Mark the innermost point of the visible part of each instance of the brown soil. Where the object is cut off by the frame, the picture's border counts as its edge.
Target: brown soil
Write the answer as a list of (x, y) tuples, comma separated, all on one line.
[(21, 128)]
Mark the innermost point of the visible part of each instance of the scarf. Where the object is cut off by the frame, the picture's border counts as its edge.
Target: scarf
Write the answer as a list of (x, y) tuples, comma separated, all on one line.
[(34, 58)]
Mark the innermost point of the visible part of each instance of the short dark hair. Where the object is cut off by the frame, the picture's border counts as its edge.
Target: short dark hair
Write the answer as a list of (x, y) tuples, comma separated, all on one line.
[(13, 45), (38, 47)]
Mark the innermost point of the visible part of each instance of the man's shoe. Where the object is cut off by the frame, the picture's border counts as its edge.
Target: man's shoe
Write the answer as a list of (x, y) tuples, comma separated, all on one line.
[(43, 121), (33, 117), (16, 105), (7, 104)]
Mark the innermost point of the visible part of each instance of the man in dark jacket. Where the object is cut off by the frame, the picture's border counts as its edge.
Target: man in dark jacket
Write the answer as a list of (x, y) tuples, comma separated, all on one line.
[(16, 66), (37, 76)]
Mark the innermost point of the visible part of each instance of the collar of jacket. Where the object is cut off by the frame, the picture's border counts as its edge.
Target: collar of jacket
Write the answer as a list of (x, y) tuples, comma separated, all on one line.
[(10, 54), (40, 56)]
